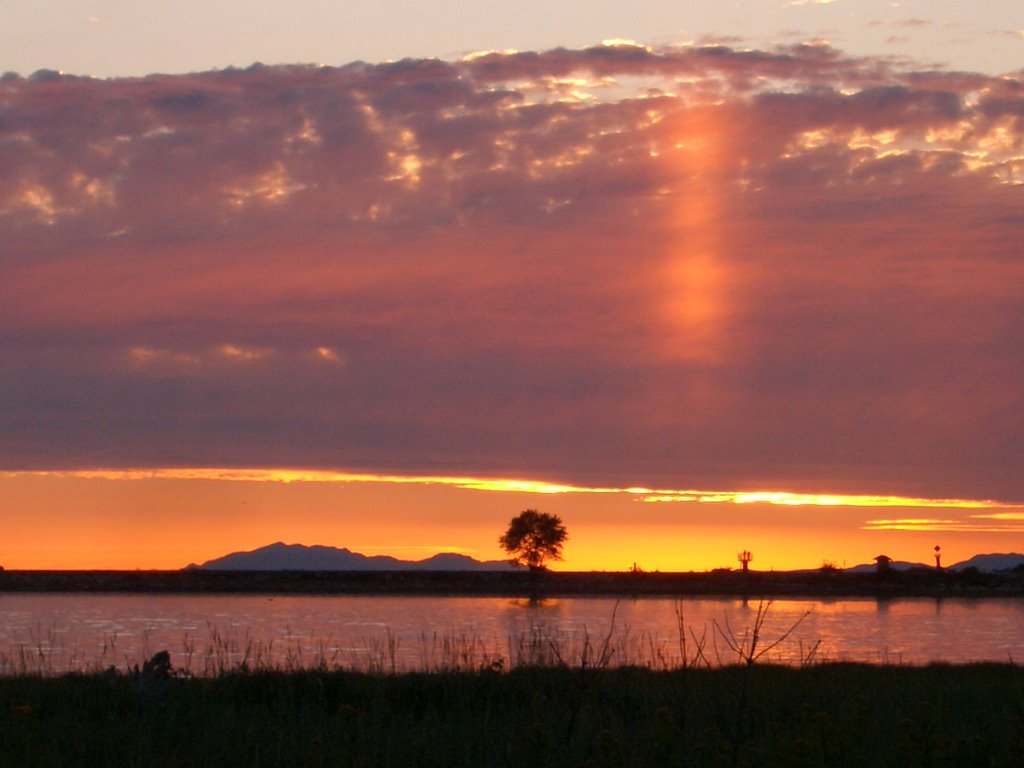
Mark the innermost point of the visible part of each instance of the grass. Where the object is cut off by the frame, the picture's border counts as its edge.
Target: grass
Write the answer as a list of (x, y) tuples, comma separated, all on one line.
[(738, 715)]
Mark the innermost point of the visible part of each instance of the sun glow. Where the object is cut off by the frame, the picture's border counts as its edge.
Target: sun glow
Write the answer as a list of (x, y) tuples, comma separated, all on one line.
[(90, 519), (696, 275)]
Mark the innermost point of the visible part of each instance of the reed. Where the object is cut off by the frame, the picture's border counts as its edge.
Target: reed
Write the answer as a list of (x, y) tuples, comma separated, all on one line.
[(216, 651)]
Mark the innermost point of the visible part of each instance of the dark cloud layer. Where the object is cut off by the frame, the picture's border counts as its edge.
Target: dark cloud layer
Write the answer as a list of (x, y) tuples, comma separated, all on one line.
[(696, 267)]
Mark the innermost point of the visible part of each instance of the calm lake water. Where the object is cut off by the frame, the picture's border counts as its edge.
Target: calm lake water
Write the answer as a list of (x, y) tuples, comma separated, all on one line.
[(55, 633)]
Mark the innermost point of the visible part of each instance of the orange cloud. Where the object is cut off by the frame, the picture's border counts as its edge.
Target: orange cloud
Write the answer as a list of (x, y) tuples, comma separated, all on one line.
[(948, 526), (510, 485)]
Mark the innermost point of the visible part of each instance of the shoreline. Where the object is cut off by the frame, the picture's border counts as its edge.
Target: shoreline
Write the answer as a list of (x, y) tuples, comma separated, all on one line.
[(807, 584)]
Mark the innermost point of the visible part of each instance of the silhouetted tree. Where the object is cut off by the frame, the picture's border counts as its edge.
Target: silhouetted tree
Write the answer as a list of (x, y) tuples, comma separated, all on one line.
[(533, 538)]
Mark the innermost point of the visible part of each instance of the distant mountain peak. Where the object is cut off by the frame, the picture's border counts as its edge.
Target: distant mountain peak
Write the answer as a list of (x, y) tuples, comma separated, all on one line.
[(991, 562), (985, 563), (318, 557)]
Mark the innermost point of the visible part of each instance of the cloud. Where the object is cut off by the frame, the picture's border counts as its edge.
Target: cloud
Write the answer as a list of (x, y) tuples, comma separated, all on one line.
[(544, 488), (328, 355), (697, 266), (927, 525), (243, 354)]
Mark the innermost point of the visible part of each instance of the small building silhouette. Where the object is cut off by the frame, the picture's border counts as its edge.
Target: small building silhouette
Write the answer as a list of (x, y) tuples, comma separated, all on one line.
[(883, 563)]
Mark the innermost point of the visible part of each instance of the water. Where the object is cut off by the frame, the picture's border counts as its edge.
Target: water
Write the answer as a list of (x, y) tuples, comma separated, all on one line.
[(206, 634)]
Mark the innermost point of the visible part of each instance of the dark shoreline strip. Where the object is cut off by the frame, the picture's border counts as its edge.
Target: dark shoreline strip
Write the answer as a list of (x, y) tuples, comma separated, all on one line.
[(924, 583)]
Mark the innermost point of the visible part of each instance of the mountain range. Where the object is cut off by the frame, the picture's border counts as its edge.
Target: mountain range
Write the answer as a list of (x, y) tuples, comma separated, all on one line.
[(299, 557), (991, 563)]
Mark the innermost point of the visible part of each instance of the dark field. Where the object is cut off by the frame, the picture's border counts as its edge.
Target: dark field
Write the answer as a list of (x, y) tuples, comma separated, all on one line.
[(918, 582), (824, 715)]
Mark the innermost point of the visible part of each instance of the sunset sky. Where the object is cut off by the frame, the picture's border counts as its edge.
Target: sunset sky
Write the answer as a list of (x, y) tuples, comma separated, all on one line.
[(696, 277)]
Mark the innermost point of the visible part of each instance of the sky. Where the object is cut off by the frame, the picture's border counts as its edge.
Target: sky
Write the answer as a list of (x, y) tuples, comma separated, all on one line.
[(747, 276)]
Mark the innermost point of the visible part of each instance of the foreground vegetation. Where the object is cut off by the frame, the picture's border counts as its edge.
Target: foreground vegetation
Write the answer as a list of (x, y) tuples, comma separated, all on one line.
[(739, 715)]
